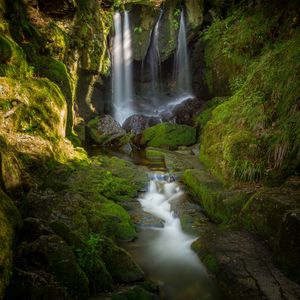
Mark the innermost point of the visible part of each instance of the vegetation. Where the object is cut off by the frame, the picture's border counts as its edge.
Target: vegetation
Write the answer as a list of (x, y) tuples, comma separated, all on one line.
[(254, 134)]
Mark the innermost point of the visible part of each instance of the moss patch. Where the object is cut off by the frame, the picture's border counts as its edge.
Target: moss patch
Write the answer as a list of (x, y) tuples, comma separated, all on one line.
[(168, 135)]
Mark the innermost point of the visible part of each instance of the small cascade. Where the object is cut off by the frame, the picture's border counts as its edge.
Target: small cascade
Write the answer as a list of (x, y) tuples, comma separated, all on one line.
[(122, 82), (182, 65)]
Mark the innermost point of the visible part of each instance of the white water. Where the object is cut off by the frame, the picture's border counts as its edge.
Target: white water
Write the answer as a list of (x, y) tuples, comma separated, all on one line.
[(182, 65), (122, 82), (155, 62), (165, 253)]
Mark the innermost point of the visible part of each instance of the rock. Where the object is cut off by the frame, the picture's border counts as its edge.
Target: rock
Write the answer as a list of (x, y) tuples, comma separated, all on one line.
[(168, 135), (220, 203), (10, 222), (104, 130), (120, 264), (243, 266), (53, 250), (274, 214), (135, 292), (138, 123), (185, 112), (57, 8)]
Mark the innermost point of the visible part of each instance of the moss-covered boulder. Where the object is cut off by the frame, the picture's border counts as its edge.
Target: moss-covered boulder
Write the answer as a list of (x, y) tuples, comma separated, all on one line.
[(10, 221), (105, 130), (59, 258), (168, 135), (120, 264)]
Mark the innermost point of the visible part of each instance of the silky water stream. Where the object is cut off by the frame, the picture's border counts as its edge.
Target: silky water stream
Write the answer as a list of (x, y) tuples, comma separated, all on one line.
[(164, 251)]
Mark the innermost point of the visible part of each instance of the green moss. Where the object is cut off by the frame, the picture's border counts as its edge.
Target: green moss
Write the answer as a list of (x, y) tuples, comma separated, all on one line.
[(211, 263), (166, 134), (220, 204), (110, 219), (12, 59), (41, 106)]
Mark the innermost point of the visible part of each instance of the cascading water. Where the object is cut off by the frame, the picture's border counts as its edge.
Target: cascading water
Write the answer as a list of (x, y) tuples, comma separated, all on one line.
[(165, 252), (182, 66), (122, 83), (155, 62)]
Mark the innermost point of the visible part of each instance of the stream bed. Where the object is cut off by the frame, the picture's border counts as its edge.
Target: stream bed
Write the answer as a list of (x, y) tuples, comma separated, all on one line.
[(163, 250)]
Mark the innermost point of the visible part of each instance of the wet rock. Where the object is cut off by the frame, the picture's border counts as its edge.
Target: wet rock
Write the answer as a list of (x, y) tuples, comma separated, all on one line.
[(138, 123), (243, 266), (184, 112), (104, 130)]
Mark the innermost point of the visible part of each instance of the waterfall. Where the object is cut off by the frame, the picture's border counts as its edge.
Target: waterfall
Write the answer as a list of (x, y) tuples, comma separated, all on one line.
[(182, 66), (155, 62), (122, 82)]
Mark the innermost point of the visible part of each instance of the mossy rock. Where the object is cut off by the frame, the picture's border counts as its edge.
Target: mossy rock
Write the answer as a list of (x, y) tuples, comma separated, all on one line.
[(110, 219), (120, 264), (168, 135), (61, 261), (10, 221), (220, 203), (12, 59)]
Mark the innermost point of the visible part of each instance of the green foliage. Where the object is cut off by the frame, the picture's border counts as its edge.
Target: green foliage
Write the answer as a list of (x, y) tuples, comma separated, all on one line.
[(138, 29), (255, 133), (88, 257)]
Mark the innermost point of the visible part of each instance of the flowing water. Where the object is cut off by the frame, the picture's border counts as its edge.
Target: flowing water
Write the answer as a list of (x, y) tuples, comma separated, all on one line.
[(155, 63), (122, 82), (182, 65), (164, 253)]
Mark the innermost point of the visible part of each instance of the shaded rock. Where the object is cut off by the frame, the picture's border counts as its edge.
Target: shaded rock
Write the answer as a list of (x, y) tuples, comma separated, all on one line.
[(274, 214), (138, 123), (135, 292), (168, 135), (36, 284), (243, 266), (59, 258), (57, 8), (10, 222), (120, 264), (104, 130)]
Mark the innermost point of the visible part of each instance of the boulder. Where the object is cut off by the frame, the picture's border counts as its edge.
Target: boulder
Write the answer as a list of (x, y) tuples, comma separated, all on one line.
[(183, 113), (168, 135), (138, 123), (104, 130)]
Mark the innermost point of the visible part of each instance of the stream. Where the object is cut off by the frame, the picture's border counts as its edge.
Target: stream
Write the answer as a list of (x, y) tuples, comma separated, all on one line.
[(163, 248), (164, 253)]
